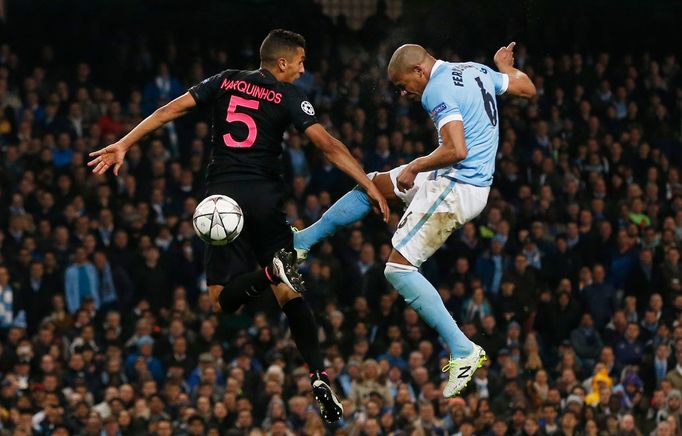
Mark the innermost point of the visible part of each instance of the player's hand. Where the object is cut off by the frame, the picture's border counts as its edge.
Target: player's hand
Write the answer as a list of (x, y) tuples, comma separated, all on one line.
[(406, 178), (111, 155), (505, 56), (377, 198)]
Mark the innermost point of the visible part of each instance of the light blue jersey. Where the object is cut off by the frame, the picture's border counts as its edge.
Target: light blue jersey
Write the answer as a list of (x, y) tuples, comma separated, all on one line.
[(466, 92)]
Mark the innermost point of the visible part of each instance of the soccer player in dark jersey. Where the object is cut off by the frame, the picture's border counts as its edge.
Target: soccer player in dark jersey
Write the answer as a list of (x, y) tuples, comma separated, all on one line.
[(250, 112)]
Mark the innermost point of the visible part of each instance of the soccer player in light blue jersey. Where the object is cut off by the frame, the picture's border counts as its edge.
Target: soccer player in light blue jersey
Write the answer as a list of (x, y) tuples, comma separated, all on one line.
[(443, 190)]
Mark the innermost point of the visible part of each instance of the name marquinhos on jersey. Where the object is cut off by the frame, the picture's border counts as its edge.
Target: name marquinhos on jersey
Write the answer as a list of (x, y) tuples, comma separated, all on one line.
[(252, 90)]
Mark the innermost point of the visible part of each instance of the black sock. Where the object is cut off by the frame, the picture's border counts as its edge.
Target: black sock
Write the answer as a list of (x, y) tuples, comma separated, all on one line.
[(243, 288), (304, 331)]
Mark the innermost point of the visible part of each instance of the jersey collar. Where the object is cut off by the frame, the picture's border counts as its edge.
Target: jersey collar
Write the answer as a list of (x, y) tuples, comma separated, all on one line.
[(266, 73), (436, 66)]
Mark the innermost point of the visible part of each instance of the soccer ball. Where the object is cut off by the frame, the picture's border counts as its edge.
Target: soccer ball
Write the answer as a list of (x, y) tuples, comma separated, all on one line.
[(218, 220)]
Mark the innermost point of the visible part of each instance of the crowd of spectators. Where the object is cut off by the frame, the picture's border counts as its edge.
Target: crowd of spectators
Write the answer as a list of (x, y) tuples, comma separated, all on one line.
[(571, 278)]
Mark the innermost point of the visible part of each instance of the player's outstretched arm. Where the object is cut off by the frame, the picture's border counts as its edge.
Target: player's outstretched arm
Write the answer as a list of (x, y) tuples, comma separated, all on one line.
[(339, 156), (112, 155), (520, 84), (453, 149)]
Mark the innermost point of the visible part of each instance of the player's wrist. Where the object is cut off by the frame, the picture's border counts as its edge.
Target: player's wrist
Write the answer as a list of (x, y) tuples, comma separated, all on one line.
[(368, 187), (125, 145), (505, 69), (416, 165)]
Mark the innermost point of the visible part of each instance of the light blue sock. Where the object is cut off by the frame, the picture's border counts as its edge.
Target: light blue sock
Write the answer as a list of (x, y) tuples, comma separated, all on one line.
[(350, 208), (420, 294)]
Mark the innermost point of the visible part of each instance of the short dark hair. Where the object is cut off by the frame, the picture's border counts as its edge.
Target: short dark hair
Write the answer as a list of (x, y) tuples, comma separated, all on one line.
[(278, 43), (195, 418)]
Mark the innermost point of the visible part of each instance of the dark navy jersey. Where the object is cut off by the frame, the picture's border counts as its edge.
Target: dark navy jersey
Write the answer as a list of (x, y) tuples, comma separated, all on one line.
[(250, 111)]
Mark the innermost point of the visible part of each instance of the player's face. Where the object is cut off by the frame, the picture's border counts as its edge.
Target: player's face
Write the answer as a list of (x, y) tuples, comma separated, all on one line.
[(410, 84), (294, 65)]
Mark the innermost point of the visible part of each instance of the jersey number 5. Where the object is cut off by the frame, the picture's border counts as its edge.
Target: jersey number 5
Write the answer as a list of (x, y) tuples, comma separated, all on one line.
[(239, 117), (488, 102)]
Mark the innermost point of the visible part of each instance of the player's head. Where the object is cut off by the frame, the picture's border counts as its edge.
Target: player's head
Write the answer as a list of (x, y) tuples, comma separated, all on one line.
[(283, 52), (409, 69)]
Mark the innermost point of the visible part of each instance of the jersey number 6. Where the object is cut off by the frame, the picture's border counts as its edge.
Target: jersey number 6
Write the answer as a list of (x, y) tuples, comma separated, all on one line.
[(488, 102), (239, 117)]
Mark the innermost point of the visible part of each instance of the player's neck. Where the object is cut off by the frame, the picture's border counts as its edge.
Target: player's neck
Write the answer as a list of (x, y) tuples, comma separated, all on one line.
[(428, 64), (279, 75)]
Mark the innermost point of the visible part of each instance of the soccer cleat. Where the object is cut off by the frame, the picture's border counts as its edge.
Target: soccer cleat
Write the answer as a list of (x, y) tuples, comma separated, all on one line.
[(330, 406), (301, 253), (284, 268), (462, 370)]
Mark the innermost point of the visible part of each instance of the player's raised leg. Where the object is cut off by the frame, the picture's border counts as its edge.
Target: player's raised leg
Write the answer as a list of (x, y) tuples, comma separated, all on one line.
[(352, 207)]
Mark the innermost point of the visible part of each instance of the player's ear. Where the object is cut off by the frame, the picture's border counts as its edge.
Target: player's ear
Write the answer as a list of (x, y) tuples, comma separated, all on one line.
[(282, 64), (419, 70)]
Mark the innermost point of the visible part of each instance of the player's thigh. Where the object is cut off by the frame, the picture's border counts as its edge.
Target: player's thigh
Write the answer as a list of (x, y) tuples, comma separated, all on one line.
[(407, 196), (438, 208), (269, 229), (223, 263), (266, 230)]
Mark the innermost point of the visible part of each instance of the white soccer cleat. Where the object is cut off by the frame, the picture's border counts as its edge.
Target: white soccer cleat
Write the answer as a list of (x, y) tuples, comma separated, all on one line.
[(284, 268), (462, 370)]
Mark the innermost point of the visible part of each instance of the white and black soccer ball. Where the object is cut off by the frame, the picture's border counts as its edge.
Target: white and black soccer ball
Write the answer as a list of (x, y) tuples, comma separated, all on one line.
[(218, 220)]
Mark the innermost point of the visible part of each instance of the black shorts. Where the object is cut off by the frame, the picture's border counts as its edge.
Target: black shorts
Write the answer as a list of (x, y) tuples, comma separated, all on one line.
[(265, 230)]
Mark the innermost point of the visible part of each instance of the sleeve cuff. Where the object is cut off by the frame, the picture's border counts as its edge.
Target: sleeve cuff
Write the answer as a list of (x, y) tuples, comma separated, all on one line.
[(447, 119), (307, 123), (505, 84), (193, 92)]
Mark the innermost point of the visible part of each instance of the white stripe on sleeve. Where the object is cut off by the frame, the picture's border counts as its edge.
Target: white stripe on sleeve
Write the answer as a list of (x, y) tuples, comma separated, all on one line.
[(445, 120)]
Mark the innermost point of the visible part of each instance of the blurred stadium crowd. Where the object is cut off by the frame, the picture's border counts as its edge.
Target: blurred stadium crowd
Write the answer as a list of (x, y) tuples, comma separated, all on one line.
[(571, 279)]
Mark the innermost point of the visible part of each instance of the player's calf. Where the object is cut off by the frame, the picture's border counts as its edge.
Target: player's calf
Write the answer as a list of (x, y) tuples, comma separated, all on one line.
[(284, 294)]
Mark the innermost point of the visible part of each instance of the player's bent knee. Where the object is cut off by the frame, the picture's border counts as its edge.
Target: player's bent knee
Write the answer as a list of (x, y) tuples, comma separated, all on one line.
[(214, 290), (392, 269), (399, 276), (214, 293)]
